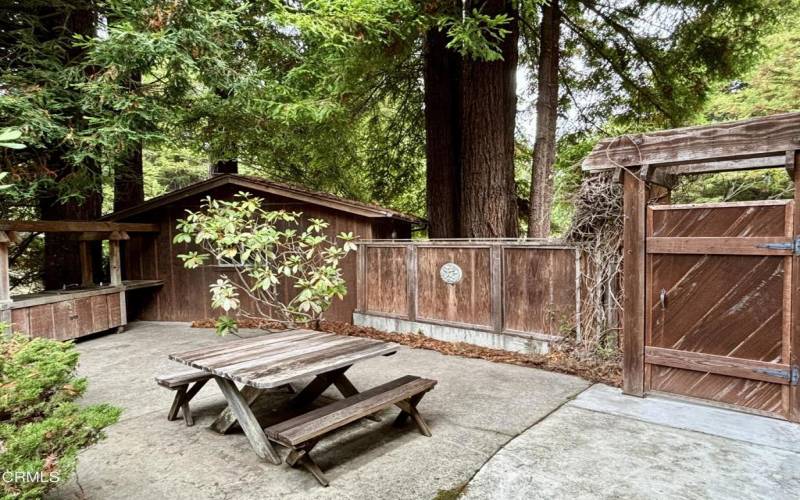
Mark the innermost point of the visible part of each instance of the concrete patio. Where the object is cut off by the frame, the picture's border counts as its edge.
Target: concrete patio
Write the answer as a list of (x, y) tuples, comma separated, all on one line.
[(502, 431)]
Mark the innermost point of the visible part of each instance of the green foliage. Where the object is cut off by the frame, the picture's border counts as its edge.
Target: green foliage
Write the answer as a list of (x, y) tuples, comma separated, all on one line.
[(266, 249), (771, 86), (42, 429), (477, 35)]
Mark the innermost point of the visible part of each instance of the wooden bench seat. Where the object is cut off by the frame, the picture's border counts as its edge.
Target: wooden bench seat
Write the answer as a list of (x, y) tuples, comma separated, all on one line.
[(180, 382), (301, 433)]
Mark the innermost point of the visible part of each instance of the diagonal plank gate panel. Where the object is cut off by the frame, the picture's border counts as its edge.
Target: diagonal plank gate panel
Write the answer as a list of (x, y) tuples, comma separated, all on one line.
[(719, 283)]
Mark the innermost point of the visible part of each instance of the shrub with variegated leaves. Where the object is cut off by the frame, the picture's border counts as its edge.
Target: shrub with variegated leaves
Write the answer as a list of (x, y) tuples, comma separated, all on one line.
[(266, 251)]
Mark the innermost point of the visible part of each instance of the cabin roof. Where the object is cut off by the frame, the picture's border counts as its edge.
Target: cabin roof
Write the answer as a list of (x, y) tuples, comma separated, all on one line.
[(265, 186)]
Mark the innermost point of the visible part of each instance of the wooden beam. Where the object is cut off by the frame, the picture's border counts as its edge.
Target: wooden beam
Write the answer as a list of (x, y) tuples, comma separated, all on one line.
[(633, 278), (720, 365), (726, 165), (48, 226), (763, 136), (755, 245)]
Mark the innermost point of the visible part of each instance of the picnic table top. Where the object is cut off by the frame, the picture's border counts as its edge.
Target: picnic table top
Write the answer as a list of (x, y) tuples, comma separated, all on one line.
[(276, 359)]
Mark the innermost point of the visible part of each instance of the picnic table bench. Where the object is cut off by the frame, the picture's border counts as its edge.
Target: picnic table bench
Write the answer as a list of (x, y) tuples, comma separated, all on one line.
[(186, 385), (302, 433)]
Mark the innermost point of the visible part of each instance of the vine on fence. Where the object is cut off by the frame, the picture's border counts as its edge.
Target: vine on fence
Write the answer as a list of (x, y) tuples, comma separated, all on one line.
[(597, 230)]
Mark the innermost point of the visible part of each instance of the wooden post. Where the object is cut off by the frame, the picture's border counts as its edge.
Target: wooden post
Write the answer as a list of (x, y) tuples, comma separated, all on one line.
[(114, 264), (87, 278), (794, 338), (411, 282), (633, 324), (361, 278), (578, 297), (5, 285), (496, 272)]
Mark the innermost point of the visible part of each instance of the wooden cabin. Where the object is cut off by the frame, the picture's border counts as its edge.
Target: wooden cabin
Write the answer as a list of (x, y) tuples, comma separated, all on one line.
[(183, 294)]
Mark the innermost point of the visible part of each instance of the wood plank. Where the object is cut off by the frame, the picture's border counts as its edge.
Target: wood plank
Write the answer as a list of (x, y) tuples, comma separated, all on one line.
[(21, 320), (176, 379), (42, 321), (387, 280), (411, 285), (72, 226), (633, 279), (718, 246), (65, 324), (49, 297), (340, 413), (115, 309), (722, 204), (794, 347), (720, 365), (763, 136), (100, 320)]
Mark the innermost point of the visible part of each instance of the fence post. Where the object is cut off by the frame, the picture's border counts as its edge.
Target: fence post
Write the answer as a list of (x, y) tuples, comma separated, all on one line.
[(411, 281), (496, 266), (578, 297), (361, 278)]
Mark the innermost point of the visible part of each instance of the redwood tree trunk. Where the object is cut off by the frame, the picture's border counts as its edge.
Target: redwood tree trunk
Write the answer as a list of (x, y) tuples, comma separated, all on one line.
[(488, 101), (541, 198), (442, 133), (129, 174), (62, 265), (61, 252)]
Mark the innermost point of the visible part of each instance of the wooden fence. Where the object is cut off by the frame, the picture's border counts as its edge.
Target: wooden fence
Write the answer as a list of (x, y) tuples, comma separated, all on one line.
[(527, 289)]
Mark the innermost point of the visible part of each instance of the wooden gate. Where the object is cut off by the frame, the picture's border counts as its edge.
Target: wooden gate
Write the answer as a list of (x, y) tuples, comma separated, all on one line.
[(719, 301)]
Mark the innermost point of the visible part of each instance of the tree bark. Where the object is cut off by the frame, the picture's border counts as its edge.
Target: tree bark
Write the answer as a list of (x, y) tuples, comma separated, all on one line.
[(541, 197), (62, 264), (129, 173), (442, 132), (488, 102), (61, 252)]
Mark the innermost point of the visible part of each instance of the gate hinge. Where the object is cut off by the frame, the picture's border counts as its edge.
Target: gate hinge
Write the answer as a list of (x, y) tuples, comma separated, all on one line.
[(794, 246), (794, 375)]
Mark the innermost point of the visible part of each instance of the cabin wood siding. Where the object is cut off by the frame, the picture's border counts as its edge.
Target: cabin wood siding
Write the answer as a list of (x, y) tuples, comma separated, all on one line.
[(185, 295)]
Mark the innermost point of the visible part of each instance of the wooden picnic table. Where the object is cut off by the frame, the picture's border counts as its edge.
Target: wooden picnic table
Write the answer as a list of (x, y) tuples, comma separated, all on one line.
[(273, 361)]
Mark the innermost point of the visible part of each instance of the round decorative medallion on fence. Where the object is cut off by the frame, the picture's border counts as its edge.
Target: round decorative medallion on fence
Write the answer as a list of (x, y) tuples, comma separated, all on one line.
[(450, 273)]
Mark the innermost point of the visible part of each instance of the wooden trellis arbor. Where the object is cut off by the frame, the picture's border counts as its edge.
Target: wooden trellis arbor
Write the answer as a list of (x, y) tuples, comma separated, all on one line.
[(711, 291)]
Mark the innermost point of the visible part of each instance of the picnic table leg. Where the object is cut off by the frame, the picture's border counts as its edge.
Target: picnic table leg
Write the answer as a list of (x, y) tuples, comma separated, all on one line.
[(247, 421), (316, 387), (226, 420)]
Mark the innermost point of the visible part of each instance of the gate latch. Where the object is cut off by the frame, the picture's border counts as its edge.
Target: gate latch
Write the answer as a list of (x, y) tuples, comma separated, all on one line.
[(794, 246)]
